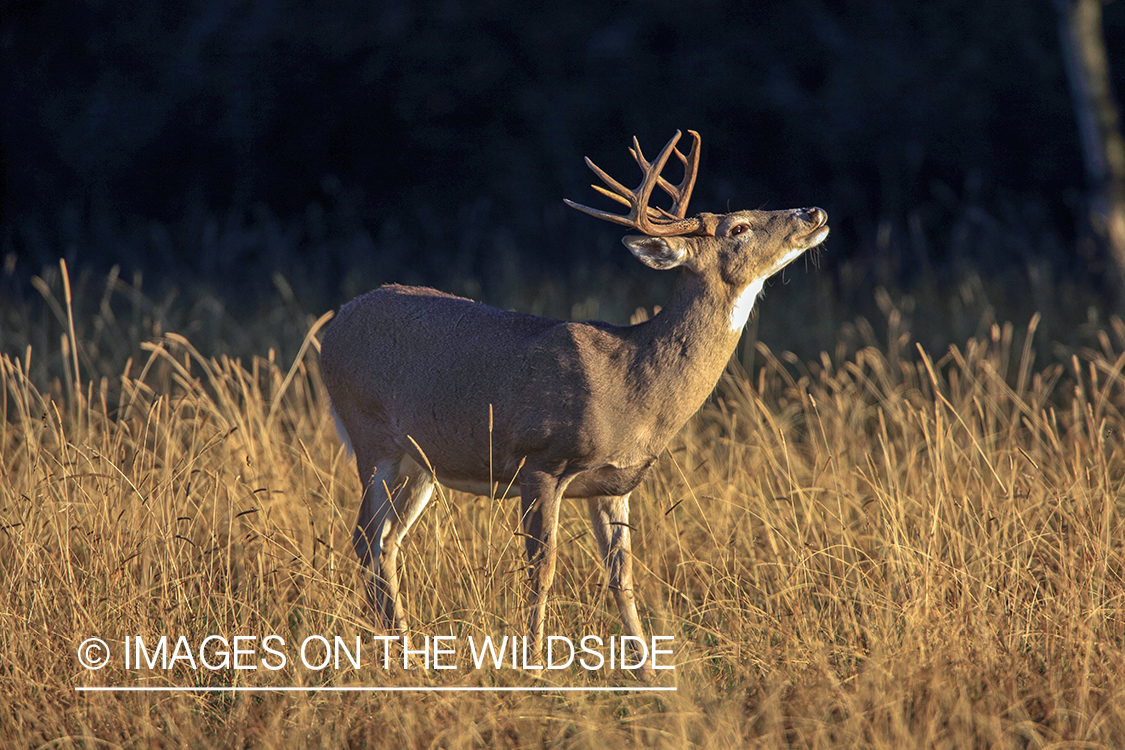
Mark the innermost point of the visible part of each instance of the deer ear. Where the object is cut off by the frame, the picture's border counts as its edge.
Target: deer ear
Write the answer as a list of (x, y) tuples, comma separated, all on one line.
[(660, 253)]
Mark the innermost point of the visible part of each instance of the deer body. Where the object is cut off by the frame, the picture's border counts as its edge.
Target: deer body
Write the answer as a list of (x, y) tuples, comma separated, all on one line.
[(432, 387), (593, 419)]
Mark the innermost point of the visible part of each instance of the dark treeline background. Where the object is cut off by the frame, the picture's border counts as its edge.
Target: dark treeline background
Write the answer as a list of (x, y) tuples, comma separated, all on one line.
[(433, 142)]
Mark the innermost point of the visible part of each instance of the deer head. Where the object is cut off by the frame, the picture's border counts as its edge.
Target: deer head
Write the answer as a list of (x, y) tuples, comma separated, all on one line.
[(742, 248)]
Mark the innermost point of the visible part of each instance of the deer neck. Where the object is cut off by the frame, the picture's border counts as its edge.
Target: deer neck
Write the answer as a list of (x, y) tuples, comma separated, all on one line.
[(681, 352)]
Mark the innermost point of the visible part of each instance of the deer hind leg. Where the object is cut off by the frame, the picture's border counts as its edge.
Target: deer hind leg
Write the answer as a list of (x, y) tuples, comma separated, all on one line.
[(392, 501), (609, 519), (540, 497)]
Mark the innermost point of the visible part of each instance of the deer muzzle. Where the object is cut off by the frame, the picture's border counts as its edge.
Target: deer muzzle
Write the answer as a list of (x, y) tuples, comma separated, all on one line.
[(817, 220)]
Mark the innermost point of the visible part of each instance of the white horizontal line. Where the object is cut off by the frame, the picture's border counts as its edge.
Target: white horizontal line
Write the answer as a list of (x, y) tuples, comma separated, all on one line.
[(396, 689)]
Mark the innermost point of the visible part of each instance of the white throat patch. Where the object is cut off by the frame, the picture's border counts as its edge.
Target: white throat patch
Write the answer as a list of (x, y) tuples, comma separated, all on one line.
[(744, 304), (789, 256)]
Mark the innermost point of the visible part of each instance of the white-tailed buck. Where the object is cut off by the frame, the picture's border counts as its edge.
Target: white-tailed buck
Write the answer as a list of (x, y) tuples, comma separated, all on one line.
[(434, 388)]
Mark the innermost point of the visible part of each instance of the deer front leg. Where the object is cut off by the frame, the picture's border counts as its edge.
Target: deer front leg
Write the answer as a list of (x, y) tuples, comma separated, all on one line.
[(540, 497), (609, 519)]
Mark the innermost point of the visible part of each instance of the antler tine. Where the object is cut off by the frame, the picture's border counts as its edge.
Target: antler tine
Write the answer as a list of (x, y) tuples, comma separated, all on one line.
[(681, 193), (610, 194), (617, 192), (617, 187), (655, 213), (653, 221), (644, 191), (691, 165)]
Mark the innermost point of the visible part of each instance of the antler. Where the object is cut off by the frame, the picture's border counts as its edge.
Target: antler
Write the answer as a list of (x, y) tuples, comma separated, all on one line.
[(653, 221)]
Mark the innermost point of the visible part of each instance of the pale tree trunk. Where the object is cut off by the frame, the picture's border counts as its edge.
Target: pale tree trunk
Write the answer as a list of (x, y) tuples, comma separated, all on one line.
[(1103, 151)]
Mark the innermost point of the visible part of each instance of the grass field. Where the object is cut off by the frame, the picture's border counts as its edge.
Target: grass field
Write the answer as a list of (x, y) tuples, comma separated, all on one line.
[(883, 548)]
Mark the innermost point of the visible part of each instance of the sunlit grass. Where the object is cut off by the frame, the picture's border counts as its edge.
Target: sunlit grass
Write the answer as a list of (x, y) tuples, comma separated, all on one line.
[(886, 547)]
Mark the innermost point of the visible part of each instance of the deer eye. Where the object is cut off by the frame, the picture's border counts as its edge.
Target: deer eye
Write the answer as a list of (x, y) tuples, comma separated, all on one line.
[(738, 229)]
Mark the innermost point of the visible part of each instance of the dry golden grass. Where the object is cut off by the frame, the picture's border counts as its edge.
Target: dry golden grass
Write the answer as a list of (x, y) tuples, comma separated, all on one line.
[(885, 548)]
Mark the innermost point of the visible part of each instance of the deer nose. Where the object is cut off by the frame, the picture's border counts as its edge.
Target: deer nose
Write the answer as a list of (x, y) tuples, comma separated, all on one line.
[(814, 215)]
